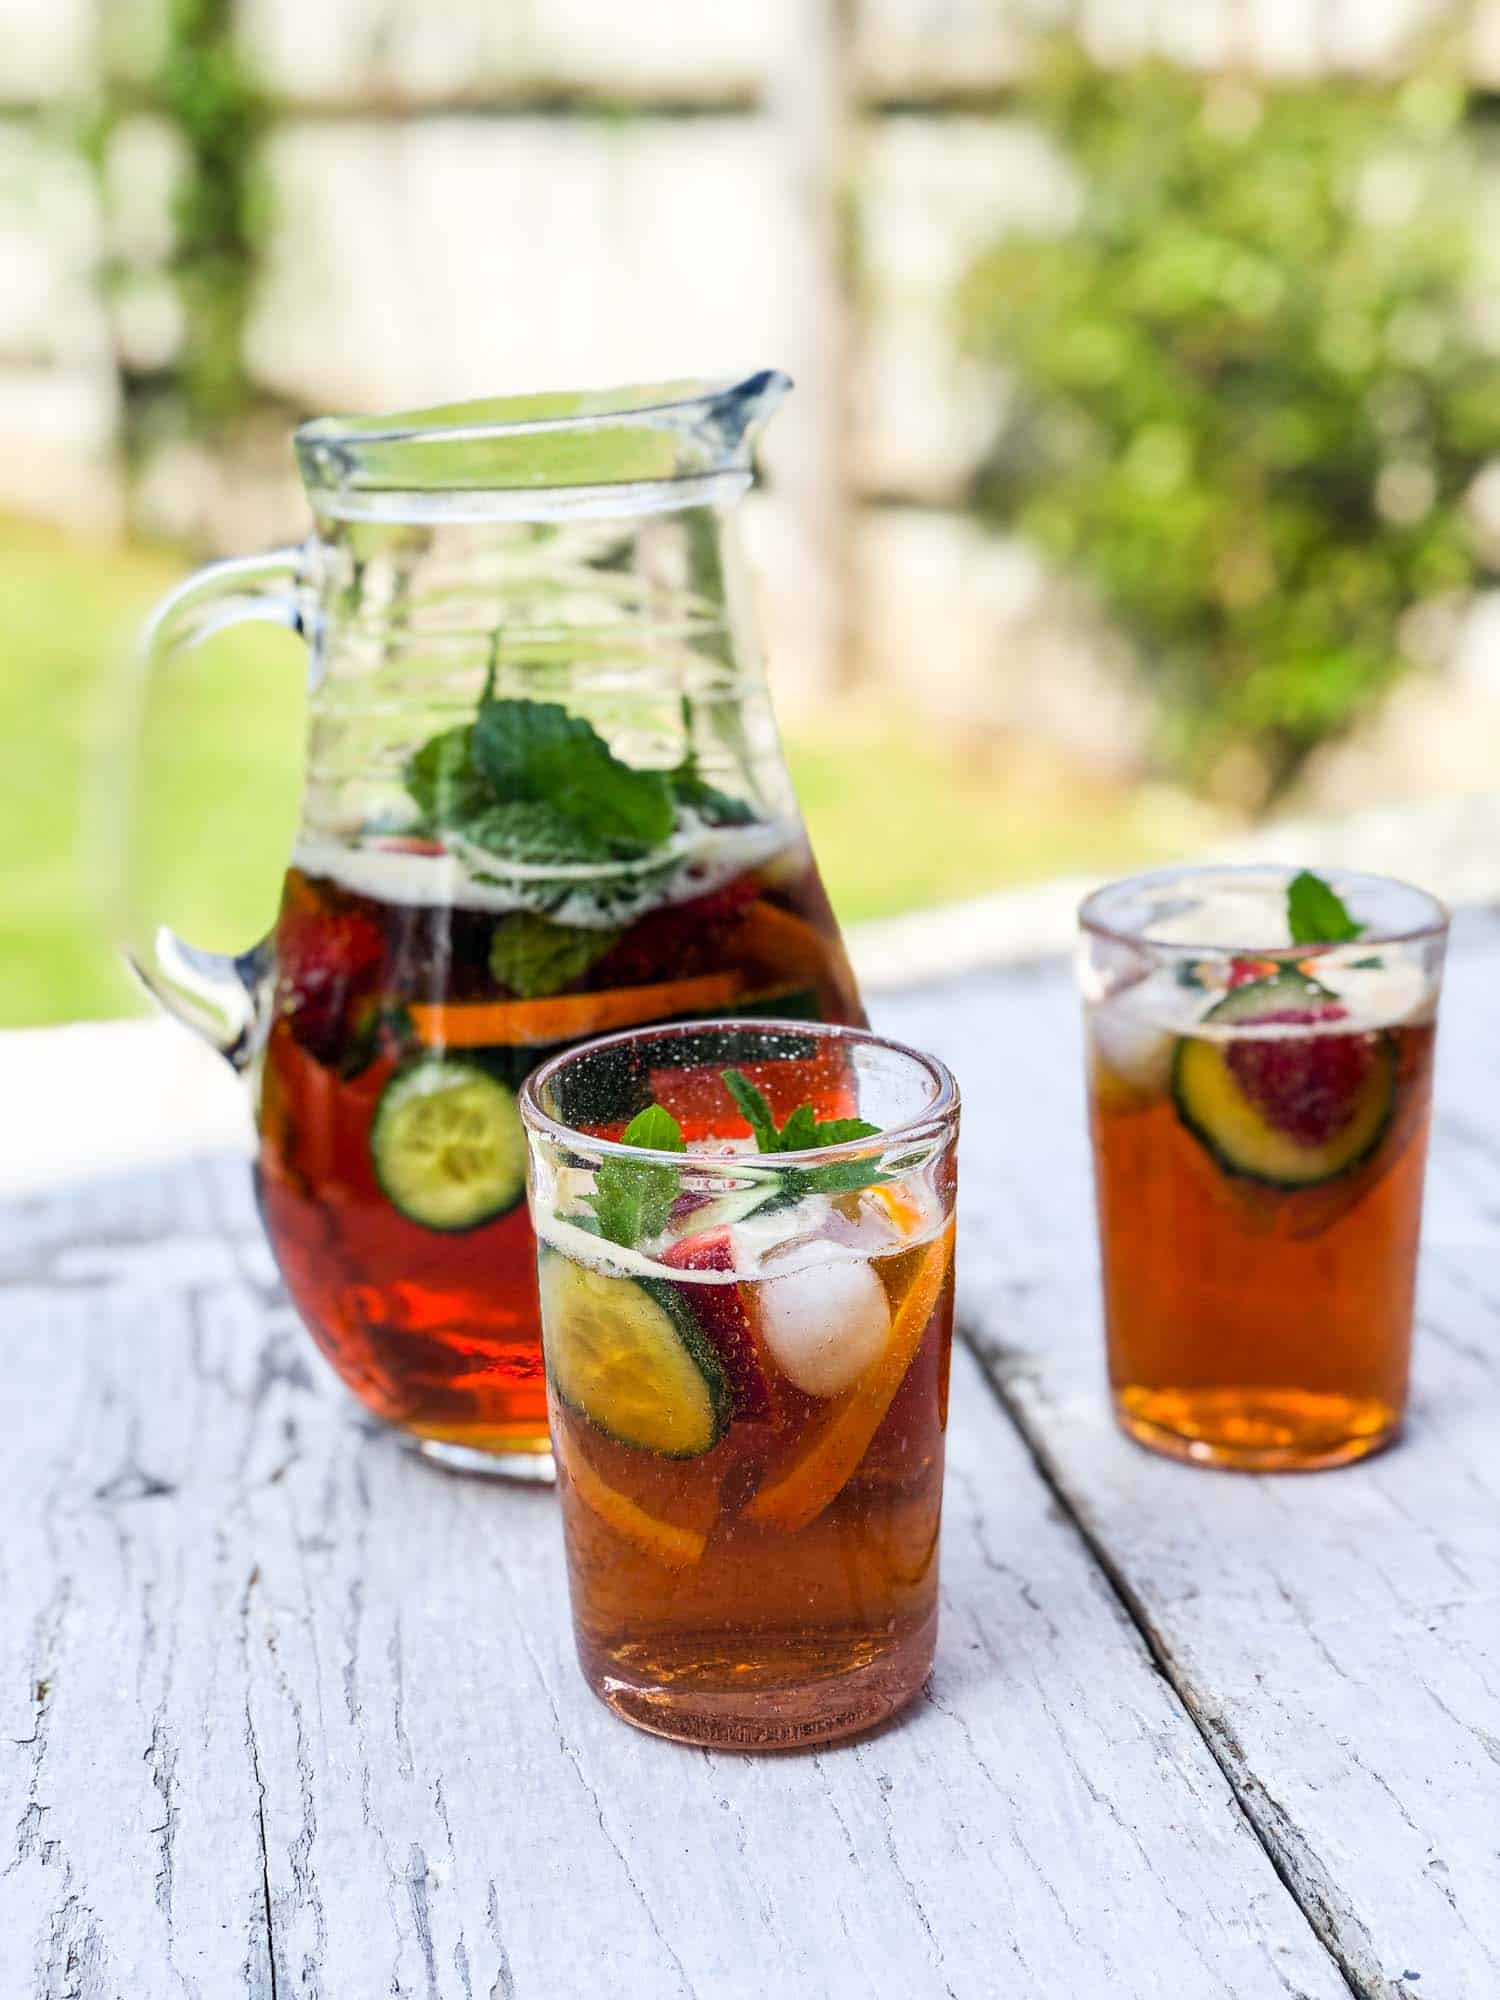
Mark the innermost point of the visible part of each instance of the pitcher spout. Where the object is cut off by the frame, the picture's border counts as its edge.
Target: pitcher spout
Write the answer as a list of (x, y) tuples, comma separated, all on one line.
[(735, 415)]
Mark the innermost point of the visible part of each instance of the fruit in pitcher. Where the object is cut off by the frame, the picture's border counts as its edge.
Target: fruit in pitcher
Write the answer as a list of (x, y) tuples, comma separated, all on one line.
[(448, 1146), (326, 959), (1292, 1110)]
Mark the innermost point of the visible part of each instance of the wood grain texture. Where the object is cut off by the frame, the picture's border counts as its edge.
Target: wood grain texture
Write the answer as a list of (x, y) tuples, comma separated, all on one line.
[(286, 1712), (1335, 1637)]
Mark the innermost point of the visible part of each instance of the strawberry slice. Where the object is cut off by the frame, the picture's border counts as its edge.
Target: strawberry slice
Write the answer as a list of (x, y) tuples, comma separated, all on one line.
[(1250, 972), (679, 938), (1308, 1086), (725, 1324), (326, 960)]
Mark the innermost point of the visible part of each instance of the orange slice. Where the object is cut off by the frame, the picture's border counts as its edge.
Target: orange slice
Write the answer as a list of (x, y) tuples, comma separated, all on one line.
[(899, 1204), (819, 1472), (569, 1017), (789, 943), (673, 1547)]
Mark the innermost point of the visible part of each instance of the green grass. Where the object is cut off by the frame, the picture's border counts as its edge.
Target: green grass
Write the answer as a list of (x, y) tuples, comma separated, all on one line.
[(897, 823)]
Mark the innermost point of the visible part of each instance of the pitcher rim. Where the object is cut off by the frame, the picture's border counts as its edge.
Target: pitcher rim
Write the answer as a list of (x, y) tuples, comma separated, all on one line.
[(766, 386)]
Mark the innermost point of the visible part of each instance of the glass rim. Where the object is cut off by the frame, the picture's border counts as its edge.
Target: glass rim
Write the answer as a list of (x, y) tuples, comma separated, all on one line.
[(940, 1112), (1095, 925)]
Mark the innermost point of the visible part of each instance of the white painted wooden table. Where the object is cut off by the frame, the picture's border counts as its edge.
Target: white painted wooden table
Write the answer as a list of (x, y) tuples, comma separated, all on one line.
[(284, 1712)]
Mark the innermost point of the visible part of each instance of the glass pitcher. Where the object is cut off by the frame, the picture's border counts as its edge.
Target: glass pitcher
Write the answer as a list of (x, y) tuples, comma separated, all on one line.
[(544, 799)]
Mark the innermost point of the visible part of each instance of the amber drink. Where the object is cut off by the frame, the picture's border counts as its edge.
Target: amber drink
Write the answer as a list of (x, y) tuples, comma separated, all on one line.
[(745, 1266), (1259, 1110)]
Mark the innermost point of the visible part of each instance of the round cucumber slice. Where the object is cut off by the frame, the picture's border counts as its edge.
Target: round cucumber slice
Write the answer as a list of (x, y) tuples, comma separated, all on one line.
[(627, 1354), (1289, 1110), (448, 1145)]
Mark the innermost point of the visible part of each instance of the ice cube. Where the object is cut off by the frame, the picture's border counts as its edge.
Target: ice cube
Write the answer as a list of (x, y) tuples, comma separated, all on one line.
[(824, 1324), (1381, 989)]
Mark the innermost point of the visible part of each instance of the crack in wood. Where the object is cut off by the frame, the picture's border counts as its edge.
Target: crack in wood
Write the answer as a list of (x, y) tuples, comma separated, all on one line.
[(1299, 1869)]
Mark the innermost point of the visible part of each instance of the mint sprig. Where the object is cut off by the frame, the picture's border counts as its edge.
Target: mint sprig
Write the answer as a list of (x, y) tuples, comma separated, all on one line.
[(802, 1133), (717, 808), (632, 1199), (1316, 913), (536, 750), (534, 958), (530, 781)]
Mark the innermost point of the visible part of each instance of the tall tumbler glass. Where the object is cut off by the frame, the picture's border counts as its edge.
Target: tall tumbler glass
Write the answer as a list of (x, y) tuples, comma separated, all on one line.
[(1259, 1110), (746, 1271)]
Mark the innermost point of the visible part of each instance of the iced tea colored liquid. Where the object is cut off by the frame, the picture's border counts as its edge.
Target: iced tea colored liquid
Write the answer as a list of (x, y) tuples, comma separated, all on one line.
[(781, 1588), (427, 1305), (747, 1339), (1251, 1323), (1260, 1045)]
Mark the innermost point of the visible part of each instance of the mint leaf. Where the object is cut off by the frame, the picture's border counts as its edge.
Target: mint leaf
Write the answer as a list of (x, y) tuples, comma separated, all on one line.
[(530, 830), (444, 780), (535, 958), (839, 1132), (536, 750), (656, 1130), (838, 1177), (799, 1133), (707, 801), (754, 1109), (1315, 913), (802, 1133), (632, 1200)]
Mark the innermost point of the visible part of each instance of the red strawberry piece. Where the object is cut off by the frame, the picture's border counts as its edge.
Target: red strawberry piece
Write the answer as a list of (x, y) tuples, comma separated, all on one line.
[(1246, 971), (679, 938), (407, 843), (326, 958), (1307, 1086), (724, 1322)]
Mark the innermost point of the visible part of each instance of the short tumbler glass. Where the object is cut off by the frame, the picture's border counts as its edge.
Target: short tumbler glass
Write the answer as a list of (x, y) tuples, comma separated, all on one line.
[(747, 1370), (1259, 1112)]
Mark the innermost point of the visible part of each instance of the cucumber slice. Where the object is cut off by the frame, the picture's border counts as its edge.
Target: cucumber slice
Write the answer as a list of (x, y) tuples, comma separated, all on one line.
[(1291, 1111), (1260, 999), (725, 1210), (627, 1354), (448, 1145)]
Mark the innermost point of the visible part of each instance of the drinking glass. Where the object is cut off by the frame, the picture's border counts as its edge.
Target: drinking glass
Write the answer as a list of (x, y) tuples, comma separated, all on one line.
[(1259, 1111), (747, 1369)]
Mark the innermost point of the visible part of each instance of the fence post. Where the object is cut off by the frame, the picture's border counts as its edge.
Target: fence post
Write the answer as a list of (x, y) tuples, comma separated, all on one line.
[(809, 96)]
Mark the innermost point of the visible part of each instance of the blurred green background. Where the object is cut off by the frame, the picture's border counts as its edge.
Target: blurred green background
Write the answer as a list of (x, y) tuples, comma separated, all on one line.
[(1153, 407)]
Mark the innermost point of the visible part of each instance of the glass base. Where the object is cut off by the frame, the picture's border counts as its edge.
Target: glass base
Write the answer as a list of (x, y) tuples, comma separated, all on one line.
[(786, 1717), (1257, 1430), (533, 1468)]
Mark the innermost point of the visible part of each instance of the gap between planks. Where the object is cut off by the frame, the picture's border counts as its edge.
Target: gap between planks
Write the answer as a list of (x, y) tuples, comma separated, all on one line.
[(1298, 1870)]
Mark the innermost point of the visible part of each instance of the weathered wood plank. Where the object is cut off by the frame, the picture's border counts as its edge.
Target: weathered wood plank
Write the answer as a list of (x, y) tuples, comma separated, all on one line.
[(1337, 1638), (285, 1710)]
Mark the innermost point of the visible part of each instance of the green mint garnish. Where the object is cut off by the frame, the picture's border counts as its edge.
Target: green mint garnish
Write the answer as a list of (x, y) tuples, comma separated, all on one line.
[(534, 958), (443, 780), (531, 831), (529, 781), (803, 1131), (707, 801), (536, 750), (632, 1200), (1315, 914)]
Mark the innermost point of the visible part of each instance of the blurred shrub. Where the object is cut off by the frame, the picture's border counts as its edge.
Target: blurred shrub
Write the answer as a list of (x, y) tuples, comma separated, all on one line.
[(1252, 387), (191, 77)]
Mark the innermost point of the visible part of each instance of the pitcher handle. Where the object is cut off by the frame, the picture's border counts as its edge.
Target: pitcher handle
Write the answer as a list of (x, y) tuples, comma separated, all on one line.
[(214, 993)]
